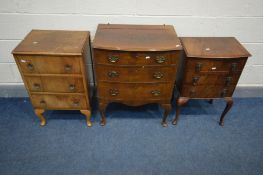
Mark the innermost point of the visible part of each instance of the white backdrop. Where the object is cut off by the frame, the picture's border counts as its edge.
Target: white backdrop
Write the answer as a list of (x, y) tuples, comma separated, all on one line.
[(242, 19)]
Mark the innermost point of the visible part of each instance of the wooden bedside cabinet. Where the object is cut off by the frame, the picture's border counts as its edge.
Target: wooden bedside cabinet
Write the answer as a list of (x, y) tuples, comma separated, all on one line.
[(210, 69), (52, 65), (135, 65)]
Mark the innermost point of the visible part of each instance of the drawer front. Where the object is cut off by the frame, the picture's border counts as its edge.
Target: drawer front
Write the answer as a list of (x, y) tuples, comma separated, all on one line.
[(135, 58), (59, 101), (195, 79), (215, 65), (135, 91), (49, 64), (136, 73), (54, 84), (206, 91)]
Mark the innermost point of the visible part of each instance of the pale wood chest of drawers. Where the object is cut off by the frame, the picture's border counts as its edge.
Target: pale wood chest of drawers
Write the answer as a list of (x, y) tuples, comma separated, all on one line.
[(210, 69), (53, 67), (135, 65)]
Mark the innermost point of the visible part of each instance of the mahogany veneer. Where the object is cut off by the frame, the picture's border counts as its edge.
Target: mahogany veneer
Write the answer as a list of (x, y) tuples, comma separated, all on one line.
[(135, 65), (53, 67), (211, 67)]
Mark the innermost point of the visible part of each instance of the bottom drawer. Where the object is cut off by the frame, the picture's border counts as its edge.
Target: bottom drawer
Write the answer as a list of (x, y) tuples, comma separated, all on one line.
[(59, 101), (206, 91), (135, 91)]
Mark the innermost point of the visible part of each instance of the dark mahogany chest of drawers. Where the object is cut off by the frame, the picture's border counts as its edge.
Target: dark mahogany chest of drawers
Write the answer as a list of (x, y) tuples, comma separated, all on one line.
[(52, 65), (211, 69), (135, 65)]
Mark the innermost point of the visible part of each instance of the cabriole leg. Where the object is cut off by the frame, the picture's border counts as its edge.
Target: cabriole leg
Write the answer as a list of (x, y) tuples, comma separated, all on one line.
[(179, 102), (39, 114), (102, 109), (229, 104), (87, 114), (167, 109)]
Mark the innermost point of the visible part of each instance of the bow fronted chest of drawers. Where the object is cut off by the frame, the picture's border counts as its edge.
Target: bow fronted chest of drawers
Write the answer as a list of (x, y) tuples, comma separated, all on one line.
[(135, 65), (53, 67), (211, 68)]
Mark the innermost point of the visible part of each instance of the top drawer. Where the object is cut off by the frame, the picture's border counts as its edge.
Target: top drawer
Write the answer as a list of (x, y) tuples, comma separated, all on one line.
[(49, 64), (215, 65), (135, 58)]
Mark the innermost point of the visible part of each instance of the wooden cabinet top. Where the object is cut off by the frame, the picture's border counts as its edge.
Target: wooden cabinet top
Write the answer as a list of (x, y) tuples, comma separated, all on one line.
[(53, 42), (213, 47), (136, 37)]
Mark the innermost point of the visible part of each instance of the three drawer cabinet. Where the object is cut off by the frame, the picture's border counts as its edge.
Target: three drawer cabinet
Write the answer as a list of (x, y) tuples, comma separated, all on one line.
[(135, 65), (53, 68), (211, 69)]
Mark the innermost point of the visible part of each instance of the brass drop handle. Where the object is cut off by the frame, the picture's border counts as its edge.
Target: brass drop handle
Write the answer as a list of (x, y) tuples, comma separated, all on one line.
[(43, 104), (75, 103), (158, 75), (113, 74), (114, 92), (198, 67), (195, 80), (68, 68), (30, 67), (228, 81), (223, 93), (156, 93), (36, 86), (72, 87), (160, 59), (234, 67), (113, 58)]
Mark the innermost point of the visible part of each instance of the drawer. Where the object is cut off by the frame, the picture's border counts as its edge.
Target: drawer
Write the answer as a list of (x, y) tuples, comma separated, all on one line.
[(49, 64), (54, 84), (135, 91), (211, 91), (215, 65), (135, 58), (224, 79), (59, 101), (136, 73)]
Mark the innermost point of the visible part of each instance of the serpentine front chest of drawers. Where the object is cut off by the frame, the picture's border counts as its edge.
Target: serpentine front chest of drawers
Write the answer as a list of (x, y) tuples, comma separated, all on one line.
[(211, 69), (135, 65), (52, 65)]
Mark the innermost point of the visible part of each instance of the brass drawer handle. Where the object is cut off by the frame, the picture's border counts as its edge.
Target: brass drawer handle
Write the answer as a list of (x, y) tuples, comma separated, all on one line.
[(76, 103), (158, 75), (114, 92), (113, 74), (195, 80), (72, 87), (198, 67), (68, 68), (234, 67), (43, 104), (30, 67), (113, 58), (156, 93), (224, 93), (228, 81), (36, 86), (160, 59)]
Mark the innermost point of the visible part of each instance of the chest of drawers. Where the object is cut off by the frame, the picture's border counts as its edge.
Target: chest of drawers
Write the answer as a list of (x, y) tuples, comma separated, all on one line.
[(53, 67), (135, 65), (211, 68)]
